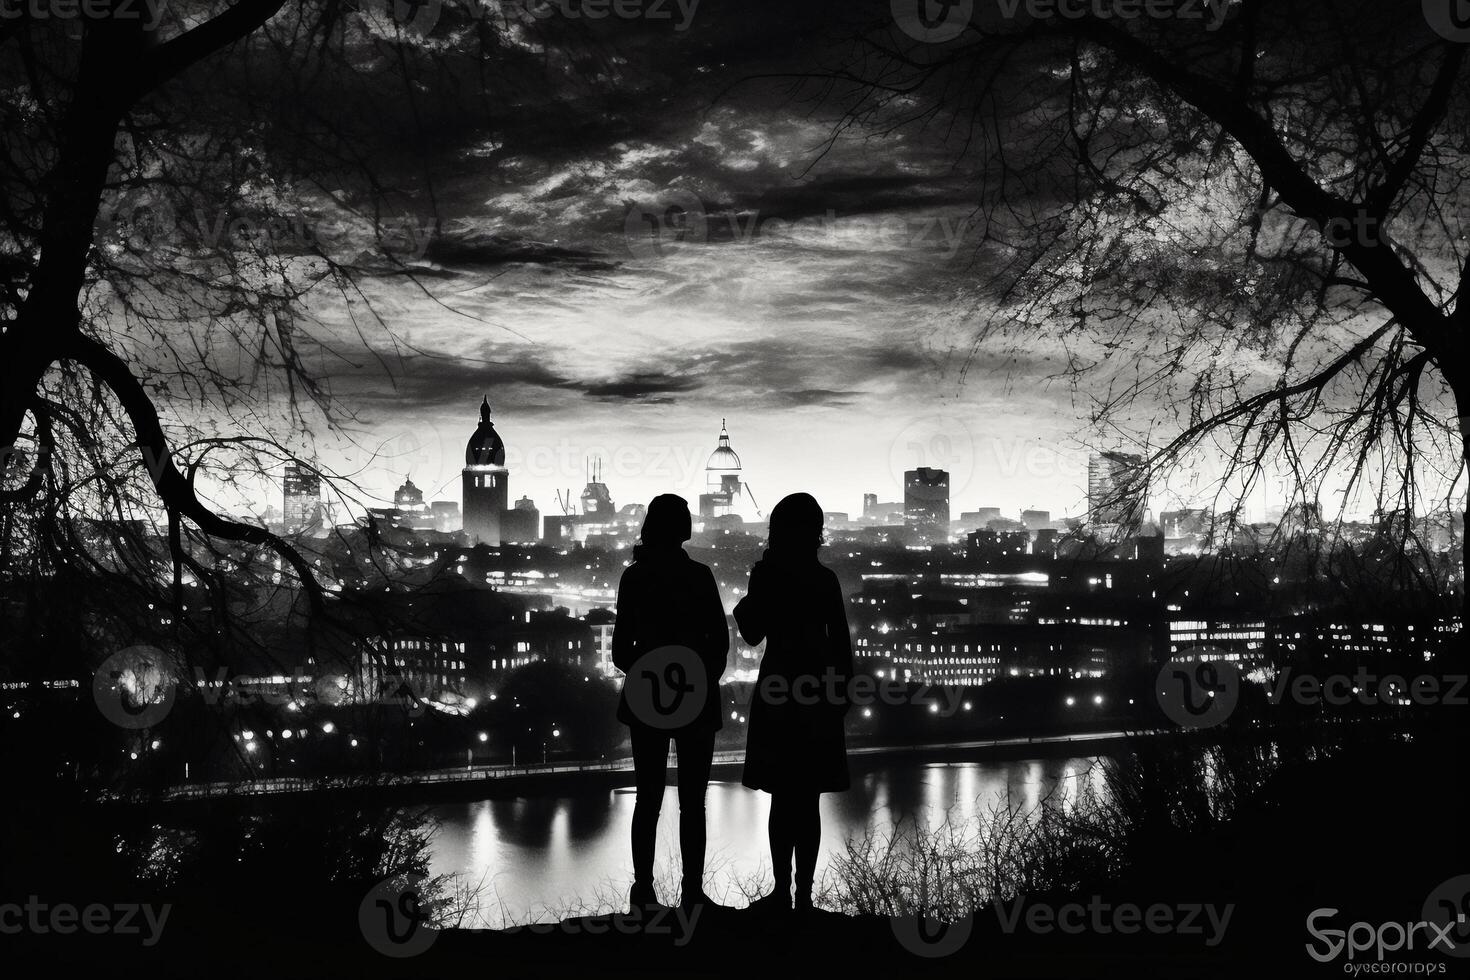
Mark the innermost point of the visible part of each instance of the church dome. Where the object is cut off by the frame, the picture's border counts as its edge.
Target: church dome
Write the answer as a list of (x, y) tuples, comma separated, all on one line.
[(723, 458), (485, 447)]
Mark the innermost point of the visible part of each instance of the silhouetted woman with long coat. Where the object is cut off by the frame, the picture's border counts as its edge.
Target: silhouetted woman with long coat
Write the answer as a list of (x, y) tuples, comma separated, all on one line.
[(668, 600), (796, 748)]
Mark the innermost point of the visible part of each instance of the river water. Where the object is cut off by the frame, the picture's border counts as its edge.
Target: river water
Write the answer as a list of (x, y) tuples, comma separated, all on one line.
[(537, 859)]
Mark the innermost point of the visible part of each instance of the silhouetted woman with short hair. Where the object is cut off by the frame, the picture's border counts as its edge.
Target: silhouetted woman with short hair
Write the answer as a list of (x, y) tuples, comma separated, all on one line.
[(667, 599), (796, 749)]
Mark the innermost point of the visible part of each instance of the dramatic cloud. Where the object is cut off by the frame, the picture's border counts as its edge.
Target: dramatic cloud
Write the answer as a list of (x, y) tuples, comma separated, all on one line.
[(622, 280)]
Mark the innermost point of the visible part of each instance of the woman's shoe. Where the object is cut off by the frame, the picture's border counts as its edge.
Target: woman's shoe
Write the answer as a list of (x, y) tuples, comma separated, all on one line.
[(641, 898), (689, 898)]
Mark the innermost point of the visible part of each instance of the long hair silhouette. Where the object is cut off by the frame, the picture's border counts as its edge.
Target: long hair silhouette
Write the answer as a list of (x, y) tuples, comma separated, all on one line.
[(669, 605), (796, 526), (666, 525), (796, 748)]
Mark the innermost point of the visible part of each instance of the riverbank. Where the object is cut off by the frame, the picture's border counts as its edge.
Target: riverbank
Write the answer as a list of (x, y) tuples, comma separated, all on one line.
[(502, 782), (1371, 833)]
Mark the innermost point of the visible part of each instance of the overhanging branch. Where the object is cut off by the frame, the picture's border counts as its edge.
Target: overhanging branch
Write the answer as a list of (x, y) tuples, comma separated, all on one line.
[(174, 489)]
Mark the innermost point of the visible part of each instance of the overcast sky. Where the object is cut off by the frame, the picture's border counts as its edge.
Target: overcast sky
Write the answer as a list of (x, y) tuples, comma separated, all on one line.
[(814, 306), (818, 301)]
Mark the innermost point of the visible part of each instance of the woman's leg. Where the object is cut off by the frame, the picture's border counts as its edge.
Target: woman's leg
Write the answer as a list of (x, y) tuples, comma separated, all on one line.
[(696, 753), (806, 838), (650, 764), (783, 840)]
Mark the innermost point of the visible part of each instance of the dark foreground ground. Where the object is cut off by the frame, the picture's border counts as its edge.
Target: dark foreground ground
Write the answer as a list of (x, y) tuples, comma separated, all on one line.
[(1370, 839)]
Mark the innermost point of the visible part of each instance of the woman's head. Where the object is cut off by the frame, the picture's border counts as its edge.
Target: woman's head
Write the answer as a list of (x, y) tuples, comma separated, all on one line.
[(796, 524), (667, 523)]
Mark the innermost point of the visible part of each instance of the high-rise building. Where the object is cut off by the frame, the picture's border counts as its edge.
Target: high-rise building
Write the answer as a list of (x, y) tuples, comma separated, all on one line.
[(486, 481), (1035, 520), (1117, 489), (302, 490), (597, 502), (926, 501), (882, 511), (980, 518), (522, 523)]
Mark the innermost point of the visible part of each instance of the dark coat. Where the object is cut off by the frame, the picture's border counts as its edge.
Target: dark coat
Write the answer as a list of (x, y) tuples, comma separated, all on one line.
[(666, 598), (796, 739)]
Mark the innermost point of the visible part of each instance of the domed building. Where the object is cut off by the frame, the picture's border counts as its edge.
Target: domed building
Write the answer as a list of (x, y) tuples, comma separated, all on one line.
[(409, 497), (724, 484), (486, 482)]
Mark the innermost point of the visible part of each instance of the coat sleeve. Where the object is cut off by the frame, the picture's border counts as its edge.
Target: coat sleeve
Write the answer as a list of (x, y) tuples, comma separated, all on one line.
[(750, 614), (839, 639), (625, 627)]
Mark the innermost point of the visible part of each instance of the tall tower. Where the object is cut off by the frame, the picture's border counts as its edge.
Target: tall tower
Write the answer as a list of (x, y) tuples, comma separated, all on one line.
[(926, 501), (1117, 489), (486, 481), (301, 505), (722, 477)]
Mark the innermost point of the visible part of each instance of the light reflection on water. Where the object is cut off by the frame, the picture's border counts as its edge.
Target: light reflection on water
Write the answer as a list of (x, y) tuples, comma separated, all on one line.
[(536, 858)]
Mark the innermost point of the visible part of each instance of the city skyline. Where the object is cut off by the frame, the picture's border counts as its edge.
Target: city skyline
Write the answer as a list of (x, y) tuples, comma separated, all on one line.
[(1068, 404), (985, 472)]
